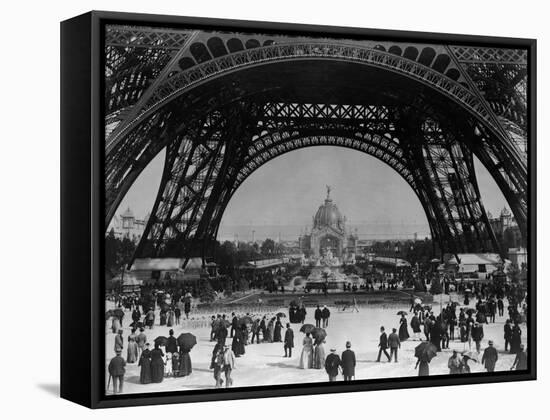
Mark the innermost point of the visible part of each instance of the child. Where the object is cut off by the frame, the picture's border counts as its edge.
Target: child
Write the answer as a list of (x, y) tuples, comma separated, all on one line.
[(176, 364), (168, 365)]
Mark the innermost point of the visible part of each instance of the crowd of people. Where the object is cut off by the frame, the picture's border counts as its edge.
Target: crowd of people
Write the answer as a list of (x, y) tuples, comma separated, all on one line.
[(456, 322)]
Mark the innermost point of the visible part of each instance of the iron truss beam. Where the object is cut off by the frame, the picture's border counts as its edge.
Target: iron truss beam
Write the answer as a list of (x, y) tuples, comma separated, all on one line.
[(182, 81)]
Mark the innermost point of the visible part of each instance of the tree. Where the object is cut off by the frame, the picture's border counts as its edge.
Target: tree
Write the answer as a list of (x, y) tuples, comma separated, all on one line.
[(436, 287), (206, 292), (268, 247)]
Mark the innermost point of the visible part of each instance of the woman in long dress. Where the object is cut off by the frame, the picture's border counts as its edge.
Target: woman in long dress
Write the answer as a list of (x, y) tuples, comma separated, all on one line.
[(157, 364), (270, 326), (145, 364), (415, 325), (515, 341), (319, 356), (171, 318), (277, 331), (403, 332), (423, 367), (306, 359), (115, 324), (132, 356), (238, 343), (185, 364)]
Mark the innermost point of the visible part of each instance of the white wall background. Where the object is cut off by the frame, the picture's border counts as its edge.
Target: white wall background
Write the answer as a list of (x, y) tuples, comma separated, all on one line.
[(29, 177)]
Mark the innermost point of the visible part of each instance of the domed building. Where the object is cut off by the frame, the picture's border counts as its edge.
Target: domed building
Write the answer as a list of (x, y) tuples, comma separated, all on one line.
[(328, 233)]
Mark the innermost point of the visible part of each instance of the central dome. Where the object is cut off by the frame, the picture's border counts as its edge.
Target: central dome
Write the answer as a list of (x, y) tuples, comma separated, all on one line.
[(328, 215)]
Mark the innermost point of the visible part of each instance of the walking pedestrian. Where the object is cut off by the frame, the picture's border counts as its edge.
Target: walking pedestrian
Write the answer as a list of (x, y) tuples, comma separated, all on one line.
[(454, 364), (318, 315), (332, 365), (507, 334), (306, 358), (289, 340), (520, 362), (394, 343), (119, 342), (145, 365), (117, 370), (228, 365), (348, 363), (383, 345), (490, 357), (325, 315)]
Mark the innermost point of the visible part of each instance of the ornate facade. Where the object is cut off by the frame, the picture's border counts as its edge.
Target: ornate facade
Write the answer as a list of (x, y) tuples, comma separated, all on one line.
[(328, 234)]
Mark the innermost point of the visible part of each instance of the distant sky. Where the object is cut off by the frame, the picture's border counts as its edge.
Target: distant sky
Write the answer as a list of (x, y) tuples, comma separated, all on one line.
[(282, 196)]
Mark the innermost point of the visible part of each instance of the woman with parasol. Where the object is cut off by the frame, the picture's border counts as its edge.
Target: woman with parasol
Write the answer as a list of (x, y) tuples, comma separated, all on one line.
[(306, 358), (403, 331), (319, 355), (424, 353), (157, 364), (186, 342)]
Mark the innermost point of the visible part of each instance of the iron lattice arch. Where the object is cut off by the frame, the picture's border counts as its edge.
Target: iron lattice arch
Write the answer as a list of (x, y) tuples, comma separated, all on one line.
[(222, 105)]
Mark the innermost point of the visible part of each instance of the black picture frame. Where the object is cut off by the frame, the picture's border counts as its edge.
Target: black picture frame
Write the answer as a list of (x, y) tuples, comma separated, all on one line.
[(82, 210)]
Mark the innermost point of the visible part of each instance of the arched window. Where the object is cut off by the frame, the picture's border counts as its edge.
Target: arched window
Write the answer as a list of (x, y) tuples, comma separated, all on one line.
[(453, 74), (394, 49), (186, 62), (216, 47), (200, 52), (441, 62), (411, 53), (234, 45), (252, 43), (426, 56)]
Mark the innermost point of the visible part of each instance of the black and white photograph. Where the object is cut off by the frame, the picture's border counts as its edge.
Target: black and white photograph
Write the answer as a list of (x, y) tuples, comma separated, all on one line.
[(285, 209)]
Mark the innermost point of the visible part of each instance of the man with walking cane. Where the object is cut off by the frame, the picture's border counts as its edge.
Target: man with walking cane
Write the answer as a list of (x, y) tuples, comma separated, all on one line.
[(117, 371), (348, 363)]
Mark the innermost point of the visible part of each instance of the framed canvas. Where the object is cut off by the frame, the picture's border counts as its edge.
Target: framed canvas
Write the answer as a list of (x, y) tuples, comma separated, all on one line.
[(255, 209)]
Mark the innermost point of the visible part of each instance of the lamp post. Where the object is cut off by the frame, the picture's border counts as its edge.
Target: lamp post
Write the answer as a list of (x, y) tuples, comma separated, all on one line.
[(396, 249)]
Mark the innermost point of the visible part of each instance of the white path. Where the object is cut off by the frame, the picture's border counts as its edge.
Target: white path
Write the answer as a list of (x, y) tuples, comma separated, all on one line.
[(263, 364)]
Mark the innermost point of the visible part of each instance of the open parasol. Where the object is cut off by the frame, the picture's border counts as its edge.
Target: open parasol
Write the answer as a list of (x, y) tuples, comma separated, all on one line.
[(319, 334), (245, 320), (307, 328), (427, 307), (186, 341), (471, 355), (402, 313), (425, 351), (281, 315), (470, 311), (161, 340)]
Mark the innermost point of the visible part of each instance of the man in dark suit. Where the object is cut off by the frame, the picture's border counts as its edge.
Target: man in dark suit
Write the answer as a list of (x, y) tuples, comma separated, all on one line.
[(394, 343), (348, 363), (383, 345), (171, 343), (289, 341), (332, 363), (318, 315), (490, 357), (325, 315), (117, 370)]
